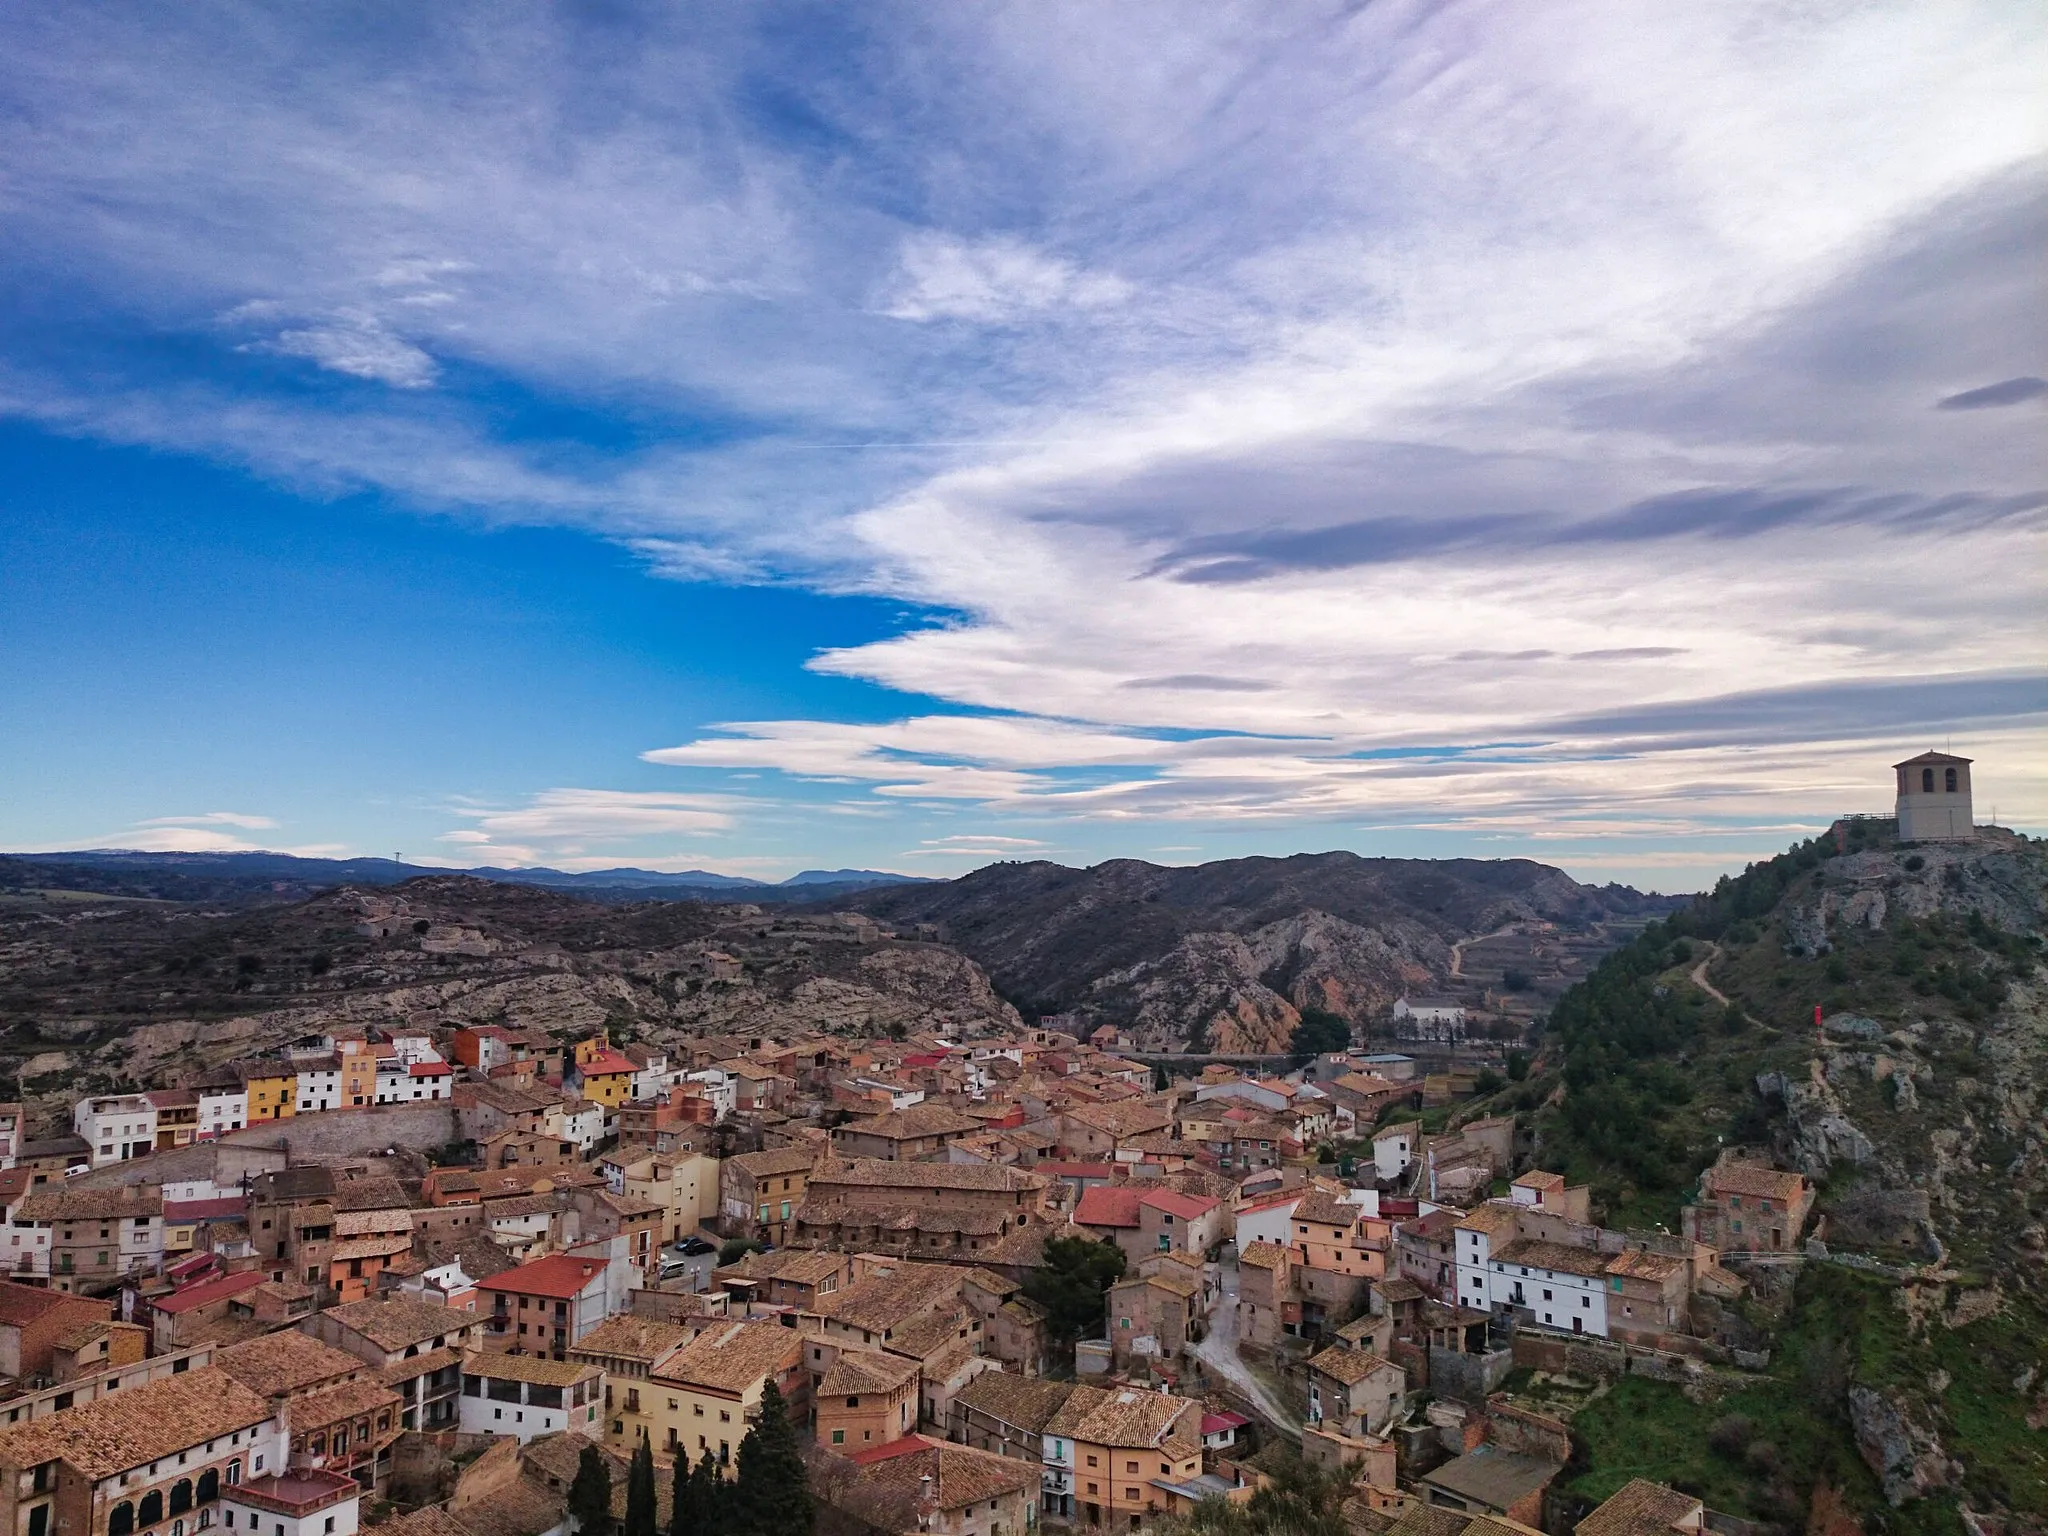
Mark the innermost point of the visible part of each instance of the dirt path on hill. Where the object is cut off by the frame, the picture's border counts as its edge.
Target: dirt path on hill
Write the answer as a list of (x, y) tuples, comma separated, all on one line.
[(1699, 975)]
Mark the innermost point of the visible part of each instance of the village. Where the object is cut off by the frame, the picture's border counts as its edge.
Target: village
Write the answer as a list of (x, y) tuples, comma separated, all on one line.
[(408, 1278)]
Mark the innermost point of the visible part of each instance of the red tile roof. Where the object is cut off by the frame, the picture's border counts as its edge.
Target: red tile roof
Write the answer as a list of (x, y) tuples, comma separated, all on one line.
[(205, 1210), (907, 1446), (1174, 1203), (606, 1064), (1216, 1423), (1075, 1170), (560, 1276), (217, 1289), (1107, 1205), (430, 1069)]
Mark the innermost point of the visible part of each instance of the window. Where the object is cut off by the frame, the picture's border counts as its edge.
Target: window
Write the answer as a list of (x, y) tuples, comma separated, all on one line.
[(839, 1437), (1927, 781), (119, 1523), (1948, 776), (152, 1509)]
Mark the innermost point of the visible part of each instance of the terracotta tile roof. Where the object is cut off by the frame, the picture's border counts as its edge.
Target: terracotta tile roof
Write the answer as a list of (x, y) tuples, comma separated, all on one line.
[(887, 1490), (1127, 1118), (865, 1370), (918, 1120), (1027, 1402), (376, 1193), (732, 1358), (878, 1173), (1398, 1288), (882, 1303), (1536, 1178), (1741, 1178), (1562, 1258), (404, 1370), (1108, 1205), (1639, 1508), (371, 1223), (518, 1507), (1409, 1128), (1325, 1209), (547, 1373), (23, 1304), (1639, 1265), (1263, 1256), (1176, 1285), (219, 1288), (1350, 1366), (58, 1202), (395, 1322), (932, 1334), (285, 1364), (372, 1247), (350, 1400), (779, 1160), (629, 1336), (801, 1266), (559, 1276), (1493, 1216), (134, 1427), (1125, 1417)]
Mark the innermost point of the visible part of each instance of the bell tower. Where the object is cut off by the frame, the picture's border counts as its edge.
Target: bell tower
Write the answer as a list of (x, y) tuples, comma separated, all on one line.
[(1934, 799)]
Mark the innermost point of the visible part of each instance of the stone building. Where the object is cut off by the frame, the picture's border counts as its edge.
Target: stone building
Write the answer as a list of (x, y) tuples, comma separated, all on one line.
[(1934, 799)]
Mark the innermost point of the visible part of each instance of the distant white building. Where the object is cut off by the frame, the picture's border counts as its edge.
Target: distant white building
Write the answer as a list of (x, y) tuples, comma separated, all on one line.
[(319, 1085), (1429, 1018), (1934, 799), (117, 1127)]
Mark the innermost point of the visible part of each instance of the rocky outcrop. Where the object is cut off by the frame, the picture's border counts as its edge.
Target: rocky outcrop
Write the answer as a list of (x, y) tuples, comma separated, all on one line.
[(1903, 1451)]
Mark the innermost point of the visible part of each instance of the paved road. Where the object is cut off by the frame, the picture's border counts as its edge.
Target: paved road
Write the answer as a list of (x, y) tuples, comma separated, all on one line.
[(1219, 1352)]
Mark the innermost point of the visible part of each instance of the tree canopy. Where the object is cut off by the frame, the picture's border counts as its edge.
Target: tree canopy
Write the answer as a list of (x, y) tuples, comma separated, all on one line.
[(771, 1495), (590, 1494), (1073, 1282), (1319, 1031)]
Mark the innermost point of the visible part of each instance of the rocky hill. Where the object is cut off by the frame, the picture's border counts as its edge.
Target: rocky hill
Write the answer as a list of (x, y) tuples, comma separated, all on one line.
[(1910, 1366), (1224, 956), (99, 992)]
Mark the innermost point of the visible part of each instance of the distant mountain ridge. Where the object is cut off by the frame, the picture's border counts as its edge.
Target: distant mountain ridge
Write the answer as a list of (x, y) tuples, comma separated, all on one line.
[(1225, 955), (268, 876)]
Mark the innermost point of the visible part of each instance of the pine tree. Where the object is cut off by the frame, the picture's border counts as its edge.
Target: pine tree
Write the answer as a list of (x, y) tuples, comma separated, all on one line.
[(590, 1495), (640, 1491), (772, 1496)]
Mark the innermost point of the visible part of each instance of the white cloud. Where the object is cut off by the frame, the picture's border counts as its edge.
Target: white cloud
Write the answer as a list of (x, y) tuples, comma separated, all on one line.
[(1335, 381), (359, 345), (990, 282), (212, 819)]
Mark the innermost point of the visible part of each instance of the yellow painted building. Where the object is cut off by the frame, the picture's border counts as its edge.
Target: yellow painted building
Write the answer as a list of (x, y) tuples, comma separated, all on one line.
[(702, 1398), (629, 1348), (607, 1078), (273, 1095)]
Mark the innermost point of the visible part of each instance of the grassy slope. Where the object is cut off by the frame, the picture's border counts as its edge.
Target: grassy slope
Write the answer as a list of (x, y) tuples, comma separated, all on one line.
[(1658, 1076)]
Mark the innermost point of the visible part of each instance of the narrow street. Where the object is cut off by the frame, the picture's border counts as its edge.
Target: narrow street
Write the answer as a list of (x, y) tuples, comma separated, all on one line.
[(1218, 1351)]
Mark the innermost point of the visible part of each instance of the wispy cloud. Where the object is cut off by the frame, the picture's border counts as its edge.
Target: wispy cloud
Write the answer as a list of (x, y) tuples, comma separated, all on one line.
[(1255, 390)]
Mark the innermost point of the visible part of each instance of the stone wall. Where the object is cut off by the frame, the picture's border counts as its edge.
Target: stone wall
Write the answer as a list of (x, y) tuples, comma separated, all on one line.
[(1470, 1378)]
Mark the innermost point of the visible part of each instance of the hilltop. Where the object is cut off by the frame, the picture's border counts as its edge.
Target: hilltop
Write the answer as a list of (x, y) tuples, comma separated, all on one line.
[(1909, 1372)]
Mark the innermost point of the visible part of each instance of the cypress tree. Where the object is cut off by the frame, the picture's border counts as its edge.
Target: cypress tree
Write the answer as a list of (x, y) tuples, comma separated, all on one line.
[(640, 1491), (590, 1495), (710, 1498), (772, 1496), (685, 1517)]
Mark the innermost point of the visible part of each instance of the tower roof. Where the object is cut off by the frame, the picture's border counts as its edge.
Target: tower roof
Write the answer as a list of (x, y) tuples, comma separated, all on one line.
[(1931, 757)]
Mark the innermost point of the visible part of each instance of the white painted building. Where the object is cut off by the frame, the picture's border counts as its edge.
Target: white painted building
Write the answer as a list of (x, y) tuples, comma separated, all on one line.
[(717, 1086), (1269, 1221), (222, 1110), (1934, 799), (306, 1502), (1394, 1148), (319, 1086), (1549, 1285), (578, 1120), (417, 1082), (525, 1395), (117, 1127)]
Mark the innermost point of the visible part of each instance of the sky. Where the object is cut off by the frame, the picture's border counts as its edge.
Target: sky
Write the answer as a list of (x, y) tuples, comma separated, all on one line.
[(776, 436)]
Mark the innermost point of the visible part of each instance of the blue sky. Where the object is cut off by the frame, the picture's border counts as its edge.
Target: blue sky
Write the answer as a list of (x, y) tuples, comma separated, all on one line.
[(759, 437)]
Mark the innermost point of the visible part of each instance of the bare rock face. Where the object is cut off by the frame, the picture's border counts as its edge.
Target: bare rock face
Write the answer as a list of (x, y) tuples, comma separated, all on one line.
[(1904, 1452), (1204, 994)]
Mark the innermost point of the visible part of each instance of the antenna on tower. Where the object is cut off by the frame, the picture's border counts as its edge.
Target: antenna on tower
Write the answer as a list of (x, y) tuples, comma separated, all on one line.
[(398, 858)]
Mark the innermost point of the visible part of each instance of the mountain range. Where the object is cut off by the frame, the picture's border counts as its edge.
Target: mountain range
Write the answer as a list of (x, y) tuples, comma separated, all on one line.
[(266, 877)]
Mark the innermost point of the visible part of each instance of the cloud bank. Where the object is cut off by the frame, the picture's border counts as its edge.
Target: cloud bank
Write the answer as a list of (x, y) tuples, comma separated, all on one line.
[(1284, 406)]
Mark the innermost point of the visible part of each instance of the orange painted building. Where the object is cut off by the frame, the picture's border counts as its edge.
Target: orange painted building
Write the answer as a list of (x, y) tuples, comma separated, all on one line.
[(866, 1398)]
